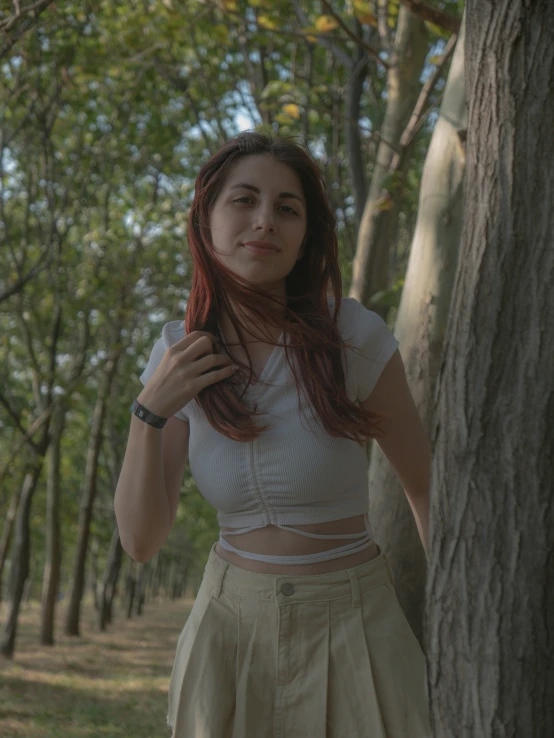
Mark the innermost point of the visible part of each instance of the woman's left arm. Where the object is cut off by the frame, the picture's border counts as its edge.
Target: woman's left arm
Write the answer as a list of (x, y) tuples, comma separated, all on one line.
[(406, 444)]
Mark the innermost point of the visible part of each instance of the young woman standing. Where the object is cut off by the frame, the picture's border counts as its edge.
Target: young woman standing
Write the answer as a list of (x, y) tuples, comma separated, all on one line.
[(296, 631)]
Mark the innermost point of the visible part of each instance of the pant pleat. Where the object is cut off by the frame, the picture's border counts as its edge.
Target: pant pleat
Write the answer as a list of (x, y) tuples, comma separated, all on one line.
[(202, 686), (255, 668)]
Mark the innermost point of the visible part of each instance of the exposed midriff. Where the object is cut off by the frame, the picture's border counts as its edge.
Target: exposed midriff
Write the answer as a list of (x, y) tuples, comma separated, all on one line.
[(275, 541)]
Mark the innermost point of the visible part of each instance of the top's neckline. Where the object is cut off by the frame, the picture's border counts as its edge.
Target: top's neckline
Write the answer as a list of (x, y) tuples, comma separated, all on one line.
[(272, 358)]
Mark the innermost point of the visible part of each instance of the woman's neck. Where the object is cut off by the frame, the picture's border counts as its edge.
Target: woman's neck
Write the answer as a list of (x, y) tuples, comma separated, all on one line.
[(251, 327)]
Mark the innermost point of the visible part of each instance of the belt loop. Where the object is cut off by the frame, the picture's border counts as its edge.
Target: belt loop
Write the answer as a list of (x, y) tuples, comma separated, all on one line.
[(355, 585)]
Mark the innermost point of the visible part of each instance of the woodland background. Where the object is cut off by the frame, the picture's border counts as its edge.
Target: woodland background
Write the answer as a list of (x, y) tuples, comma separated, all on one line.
[(107, 111)]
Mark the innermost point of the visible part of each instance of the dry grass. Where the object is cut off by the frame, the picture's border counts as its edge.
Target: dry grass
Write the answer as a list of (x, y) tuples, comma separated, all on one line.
[(111, 684)]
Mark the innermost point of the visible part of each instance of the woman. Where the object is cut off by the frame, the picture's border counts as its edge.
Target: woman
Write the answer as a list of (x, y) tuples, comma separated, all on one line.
[(296, 629)]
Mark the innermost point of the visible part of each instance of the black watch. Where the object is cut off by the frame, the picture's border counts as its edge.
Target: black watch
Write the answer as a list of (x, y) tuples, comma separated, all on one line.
[(148, 417)]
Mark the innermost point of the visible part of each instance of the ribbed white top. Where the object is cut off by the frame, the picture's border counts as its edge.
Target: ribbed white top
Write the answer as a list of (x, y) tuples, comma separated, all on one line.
[(294, 473)]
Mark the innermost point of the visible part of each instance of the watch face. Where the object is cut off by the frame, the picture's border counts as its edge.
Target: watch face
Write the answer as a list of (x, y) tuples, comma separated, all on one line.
[(146, 415)]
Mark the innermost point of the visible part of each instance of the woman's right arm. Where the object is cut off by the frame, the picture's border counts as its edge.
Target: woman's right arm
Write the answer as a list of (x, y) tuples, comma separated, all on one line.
[(149, 485), (147, 491)]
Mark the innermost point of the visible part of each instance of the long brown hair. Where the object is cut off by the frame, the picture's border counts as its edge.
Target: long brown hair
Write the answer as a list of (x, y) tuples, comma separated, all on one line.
[(314, 341)]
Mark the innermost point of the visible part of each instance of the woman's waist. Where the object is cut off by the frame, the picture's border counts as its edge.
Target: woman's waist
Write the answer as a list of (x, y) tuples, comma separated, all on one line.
[(273, 540)]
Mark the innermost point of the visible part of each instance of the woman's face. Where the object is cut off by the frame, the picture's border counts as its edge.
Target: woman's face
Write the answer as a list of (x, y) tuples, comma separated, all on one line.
[(261, 201)]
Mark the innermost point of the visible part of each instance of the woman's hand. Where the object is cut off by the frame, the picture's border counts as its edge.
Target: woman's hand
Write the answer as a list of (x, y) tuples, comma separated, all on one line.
[(186, 369)]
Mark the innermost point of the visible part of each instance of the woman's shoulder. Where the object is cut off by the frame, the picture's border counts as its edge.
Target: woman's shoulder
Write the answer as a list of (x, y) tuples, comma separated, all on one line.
[(363, 328), (352, 314), (172, 332)]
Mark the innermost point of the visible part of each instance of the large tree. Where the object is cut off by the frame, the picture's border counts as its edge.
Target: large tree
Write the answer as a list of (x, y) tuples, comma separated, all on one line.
[(490, 596), (421, 329)]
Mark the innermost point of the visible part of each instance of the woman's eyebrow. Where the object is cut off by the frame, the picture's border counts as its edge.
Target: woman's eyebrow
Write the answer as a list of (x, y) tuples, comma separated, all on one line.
[(245, 186)]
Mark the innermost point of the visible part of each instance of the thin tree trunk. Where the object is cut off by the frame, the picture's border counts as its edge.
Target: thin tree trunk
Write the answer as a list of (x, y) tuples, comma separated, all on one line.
[(53, 558), (420, 328), (356, 164), (93, 584), (19, 561), (130, 587), (87, 502), (157, 575), (27, 587), (7, 532), (139, 593), (490, 590), (370, 267), (109, 580)]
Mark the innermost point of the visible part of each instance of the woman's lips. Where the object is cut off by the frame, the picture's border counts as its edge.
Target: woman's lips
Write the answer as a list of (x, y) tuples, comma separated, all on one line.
[(259, 249)]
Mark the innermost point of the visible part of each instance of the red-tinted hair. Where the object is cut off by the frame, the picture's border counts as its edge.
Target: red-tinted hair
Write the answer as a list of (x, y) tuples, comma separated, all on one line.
[(314, 341)]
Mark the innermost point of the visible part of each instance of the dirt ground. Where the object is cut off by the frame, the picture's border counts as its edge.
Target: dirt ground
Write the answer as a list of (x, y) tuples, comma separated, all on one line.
[(106, 685)]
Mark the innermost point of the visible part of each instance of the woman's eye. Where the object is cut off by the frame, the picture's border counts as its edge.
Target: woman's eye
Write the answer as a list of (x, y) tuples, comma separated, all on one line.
[(249, 200)]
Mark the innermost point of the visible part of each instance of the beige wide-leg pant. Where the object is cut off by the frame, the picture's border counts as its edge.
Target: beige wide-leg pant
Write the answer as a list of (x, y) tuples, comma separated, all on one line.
[(306, 656)]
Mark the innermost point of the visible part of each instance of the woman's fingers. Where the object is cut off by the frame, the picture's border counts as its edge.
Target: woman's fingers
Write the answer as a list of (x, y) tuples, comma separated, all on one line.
[(207, 363), (197, 343), (211, 377)]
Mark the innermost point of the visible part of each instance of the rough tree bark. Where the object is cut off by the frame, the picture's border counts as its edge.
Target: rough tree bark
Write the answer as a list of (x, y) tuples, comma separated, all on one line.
[(490, 588), (420, 327)]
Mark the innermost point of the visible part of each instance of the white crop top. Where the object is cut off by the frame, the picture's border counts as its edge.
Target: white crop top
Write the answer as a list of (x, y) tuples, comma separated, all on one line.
[(294, 473)]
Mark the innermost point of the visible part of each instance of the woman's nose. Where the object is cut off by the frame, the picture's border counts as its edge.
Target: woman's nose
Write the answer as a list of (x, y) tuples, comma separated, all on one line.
[(264, 219)]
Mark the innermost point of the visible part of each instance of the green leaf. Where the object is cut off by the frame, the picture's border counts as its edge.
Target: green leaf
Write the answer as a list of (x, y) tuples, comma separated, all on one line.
[(276, 88), (266, 21), (437, 30), (326, 23), (283, 119)]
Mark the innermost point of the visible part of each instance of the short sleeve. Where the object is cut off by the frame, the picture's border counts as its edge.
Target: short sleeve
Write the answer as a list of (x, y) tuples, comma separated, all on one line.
[(171, 333), (368, 333)]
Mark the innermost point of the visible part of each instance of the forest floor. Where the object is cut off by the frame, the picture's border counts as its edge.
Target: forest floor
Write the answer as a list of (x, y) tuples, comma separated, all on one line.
[(106, 685)]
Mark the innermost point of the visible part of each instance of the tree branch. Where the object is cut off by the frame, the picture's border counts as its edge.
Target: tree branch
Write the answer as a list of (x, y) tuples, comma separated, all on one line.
[(324, 40), (32, 11), (418, 115), (434, 15), (371, 50)]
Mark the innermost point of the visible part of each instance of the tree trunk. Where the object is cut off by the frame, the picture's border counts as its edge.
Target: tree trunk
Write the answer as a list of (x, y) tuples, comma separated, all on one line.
[(420, 328), (7, 533), (53, 558), (139, 593), (93, 585), (19, 561), (156, 575), (87, 502), (109, 581), (28, 585), (490, 588), (353, 139), (130, 587), (371, 263)]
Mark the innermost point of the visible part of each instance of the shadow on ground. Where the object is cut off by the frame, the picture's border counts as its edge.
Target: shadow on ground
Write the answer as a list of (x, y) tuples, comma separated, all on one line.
[(107, 684)]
